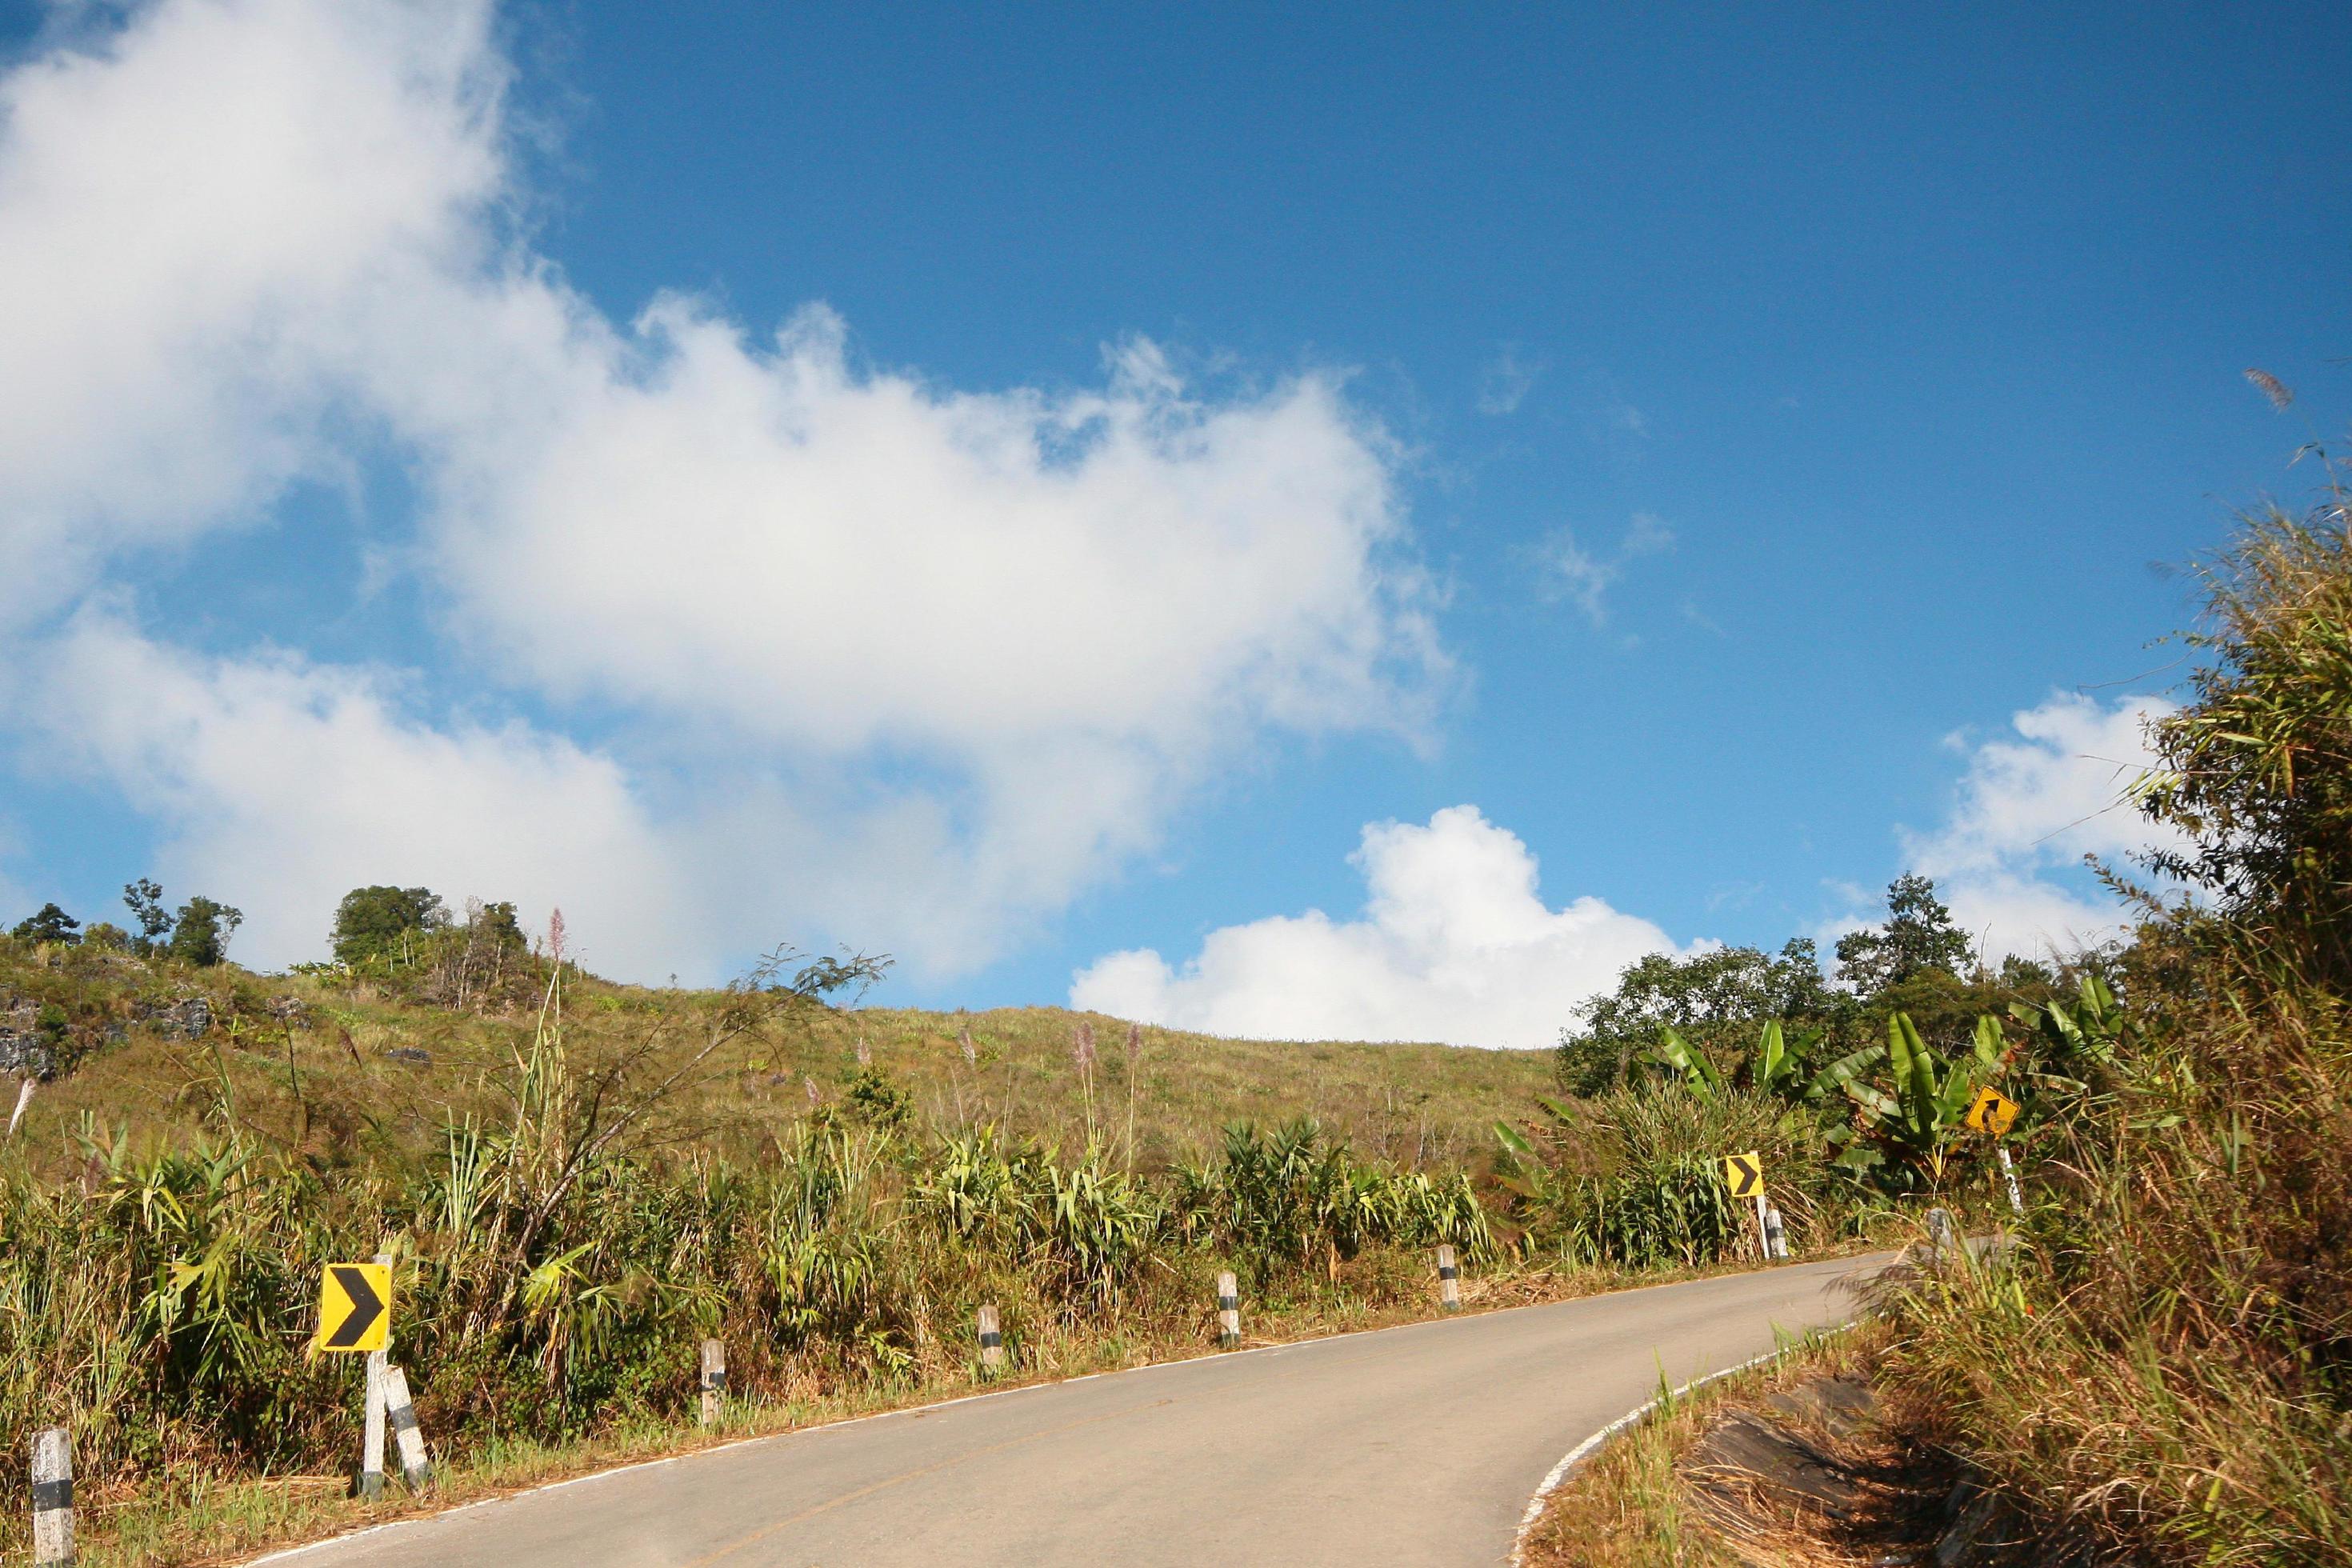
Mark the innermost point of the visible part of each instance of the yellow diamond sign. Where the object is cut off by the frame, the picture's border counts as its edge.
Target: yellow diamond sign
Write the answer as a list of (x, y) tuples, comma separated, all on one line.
[(1993, 1112), (1744, 1173), (354, 1308)]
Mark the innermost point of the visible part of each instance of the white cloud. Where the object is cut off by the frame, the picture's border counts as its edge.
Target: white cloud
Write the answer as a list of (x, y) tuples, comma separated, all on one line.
[(1576, 575), (1505, 382), (988, 639), (2031, 805), (1455, 943), (275, 776), (193, 205)]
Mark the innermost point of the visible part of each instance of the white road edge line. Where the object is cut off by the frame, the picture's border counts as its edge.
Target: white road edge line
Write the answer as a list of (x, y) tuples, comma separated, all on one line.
[(1585, 1449)]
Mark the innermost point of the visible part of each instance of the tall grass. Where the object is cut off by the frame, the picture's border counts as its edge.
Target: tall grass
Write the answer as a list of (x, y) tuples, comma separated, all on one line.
[(2171, 1360)]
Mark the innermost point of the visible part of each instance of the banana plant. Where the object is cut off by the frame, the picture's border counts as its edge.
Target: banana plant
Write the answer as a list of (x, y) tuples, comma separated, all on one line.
[(1925, 1111), (2081, 1037), (1677, 1055), (1780, 1066)]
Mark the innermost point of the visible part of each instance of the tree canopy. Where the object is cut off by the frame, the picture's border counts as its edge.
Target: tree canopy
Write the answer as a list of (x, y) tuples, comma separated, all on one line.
[(380, 923)]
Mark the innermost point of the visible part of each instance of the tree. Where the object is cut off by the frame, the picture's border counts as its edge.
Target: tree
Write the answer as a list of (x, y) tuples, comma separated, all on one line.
[(383, 923), (200, 936), (146, 903), (499, 925), (1717, 1000), (2256, 772), (50, 924), (1918, 937)]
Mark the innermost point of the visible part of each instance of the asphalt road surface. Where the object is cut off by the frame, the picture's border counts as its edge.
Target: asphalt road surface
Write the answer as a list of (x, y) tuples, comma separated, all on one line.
[(1411, 1446)]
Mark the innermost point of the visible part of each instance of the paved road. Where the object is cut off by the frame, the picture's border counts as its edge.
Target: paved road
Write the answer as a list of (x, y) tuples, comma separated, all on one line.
[(1415, 1445)]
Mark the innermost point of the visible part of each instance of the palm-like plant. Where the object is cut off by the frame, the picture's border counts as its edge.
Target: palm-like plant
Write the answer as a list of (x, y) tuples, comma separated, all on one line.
[(1924, 1114)]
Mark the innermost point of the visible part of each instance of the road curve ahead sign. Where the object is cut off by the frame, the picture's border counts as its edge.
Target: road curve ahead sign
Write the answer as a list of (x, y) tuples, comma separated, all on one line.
[(1992, 1112), (1744, 1173), (354, 1308)]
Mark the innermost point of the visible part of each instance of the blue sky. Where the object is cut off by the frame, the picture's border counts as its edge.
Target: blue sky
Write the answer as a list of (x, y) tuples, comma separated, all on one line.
[(1697, 435)]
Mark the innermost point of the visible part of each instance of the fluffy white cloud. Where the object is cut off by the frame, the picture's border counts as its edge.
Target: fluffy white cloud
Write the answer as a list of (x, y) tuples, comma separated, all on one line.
[(939, 659), (270, 772), (1454, 944), (195, 201), (2032, 802)]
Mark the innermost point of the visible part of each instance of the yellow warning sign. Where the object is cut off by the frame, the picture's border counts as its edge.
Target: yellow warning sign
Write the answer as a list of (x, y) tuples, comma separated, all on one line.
[(354, 1308), (1744, 1173), (1992, 1111)]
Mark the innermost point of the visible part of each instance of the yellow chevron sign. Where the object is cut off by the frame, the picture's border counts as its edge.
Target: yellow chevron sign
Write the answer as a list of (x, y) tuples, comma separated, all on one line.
[(1993, 1112), (355, 1308), (1744, 1173)]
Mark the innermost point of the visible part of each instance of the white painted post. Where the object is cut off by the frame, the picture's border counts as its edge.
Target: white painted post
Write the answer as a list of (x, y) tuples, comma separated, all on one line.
[(53, 1519), (2009, 1173), (415, 1468), (714, 1379), (372, 1414), (1942, 1235), (1776, 1232), (992, 1343), (1229, 1311), (1449, 1288)]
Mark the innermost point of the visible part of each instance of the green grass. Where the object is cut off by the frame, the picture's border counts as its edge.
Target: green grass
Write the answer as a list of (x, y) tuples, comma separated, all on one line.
[(304, 1088)]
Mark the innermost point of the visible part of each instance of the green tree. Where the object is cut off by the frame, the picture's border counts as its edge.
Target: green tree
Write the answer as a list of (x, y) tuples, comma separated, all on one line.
[(145, 900), (498, 925), (1918, 937), (50, 924), (382, 923), (201, 933), (1715, 1000), (2256, 772)]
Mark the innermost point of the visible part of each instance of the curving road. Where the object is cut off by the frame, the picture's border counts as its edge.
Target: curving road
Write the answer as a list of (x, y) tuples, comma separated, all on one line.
[(1413, 1445)]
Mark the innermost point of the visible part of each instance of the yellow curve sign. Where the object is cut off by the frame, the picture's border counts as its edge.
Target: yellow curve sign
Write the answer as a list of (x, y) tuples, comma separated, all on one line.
[(355, 1308), (1992, 1111), (1745, 1173)]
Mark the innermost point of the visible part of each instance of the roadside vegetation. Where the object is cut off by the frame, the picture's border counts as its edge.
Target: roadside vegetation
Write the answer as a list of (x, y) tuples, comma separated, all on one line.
[(2157, 1369)]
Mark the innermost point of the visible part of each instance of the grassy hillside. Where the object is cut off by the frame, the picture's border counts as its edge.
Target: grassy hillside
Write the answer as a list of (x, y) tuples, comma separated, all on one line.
[(342, 1074)]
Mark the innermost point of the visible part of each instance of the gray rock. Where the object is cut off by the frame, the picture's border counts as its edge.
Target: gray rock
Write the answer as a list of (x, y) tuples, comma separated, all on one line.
[(187, 1018), (409, 1054), (23, 1051), (291, 1011)]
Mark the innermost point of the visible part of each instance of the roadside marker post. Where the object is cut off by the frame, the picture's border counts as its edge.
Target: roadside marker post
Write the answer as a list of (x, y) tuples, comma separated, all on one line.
[(714, 1379), (1449, 1287), (1229, 1311), (1744, 1173), (1776, 1233), (1943, 1238), (53, 1515), (992, 1343), (414, 1467)]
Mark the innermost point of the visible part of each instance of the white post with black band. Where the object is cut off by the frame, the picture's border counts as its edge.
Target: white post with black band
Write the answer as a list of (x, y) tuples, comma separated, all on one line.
[(414, 1466), (992, 1343), (1229, 1311), (1449, 1280), (714, 1379), (53, 1519)]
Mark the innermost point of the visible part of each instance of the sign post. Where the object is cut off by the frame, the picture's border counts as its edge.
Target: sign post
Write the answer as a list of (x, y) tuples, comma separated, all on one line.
[(1744, 1173), (1993, 1112), (355, 1318)]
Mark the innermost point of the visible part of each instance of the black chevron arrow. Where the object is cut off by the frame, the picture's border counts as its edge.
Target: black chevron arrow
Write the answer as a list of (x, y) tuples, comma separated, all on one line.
[(1746, 1176), (366, 1307)]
